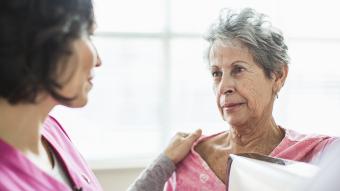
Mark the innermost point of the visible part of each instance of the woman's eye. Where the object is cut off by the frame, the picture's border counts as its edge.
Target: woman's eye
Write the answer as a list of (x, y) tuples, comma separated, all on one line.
[(216, 74), (238, 70)]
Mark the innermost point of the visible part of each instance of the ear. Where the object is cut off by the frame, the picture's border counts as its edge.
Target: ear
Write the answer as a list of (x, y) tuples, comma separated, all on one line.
[(280, 78)]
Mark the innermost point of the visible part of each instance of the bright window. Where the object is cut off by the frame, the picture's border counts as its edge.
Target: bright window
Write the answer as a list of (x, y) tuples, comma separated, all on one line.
[(154, 80)]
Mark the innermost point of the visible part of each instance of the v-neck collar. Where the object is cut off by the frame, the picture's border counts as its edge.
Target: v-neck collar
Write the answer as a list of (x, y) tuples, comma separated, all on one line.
[(19, 163), (62, 158)]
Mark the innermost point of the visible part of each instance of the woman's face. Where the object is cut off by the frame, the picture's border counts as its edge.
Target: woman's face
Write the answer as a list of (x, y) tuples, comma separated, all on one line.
[(243, 93), (79, 72)]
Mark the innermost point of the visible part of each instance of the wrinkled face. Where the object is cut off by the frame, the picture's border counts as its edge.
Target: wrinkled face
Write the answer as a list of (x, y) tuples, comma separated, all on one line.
[(244, 94), (79, 72)]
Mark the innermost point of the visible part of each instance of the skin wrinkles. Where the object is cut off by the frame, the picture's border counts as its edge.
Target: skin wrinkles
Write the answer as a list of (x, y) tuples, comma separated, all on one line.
[(245, 85), (239, 80)]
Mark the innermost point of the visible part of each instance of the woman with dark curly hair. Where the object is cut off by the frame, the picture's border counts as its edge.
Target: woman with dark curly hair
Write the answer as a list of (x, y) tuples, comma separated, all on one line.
[(47, 59)]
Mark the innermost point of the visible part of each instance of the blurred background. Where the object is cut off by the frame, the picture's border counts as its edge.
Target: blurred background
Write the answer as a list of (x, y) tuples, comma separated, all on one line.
[(154, 80)]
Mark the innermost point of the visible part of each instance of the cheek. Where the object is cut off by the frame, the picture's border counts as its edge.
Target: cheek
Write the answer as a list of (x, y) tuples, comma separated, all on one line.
[(218, 99), (250, 91), (215, 92), (259, 97), (73, 84)]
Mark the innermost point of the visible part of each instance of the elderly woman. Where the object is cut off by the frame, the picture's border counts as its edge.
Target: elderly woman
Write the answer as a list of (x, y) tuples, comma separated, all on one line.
[(248, 62), (47, 59)]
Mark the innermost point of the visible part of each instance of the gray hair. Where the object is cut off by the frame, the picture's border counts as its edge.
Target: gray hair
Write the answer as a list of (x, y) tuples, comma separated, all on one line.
[(265, 43)]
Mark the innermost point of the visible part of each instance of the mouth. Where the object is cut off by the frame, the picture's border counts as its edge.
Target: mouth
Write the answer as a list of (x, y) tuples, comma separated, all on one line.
[(232, 106), (91, 76), (90, 80)]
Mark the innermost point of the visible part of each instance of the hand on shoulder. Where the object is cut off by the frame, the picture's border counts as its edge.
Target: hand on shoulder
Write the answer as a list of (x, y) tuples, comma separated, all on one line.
[(180, 145)]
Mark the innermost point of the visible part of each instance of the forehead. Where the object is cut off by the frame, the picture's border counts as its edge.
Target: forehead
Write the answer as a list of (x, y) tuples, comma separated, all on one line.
[(228, 52)]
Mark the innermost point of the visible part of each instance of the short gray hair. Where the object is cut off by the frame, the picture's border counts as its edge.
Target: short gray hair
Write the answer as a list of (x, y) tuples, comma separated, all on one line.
[(265, 43)]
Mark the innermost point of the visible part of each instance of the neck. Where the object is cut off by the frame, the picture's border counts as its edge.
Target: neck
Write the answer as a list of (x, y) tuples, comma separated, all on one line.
[(21, 124), (261, 137)]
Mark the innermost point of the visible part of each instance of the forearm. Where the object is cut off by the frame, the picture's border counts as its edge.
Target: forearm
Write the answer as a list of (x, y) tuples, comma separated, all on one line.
[(154, 176)]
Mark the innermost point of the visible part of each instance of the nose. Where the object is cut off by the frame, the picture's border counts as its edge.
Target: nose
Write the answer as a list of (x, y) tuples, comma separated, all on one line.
[(226, 86), (228, 91), (99, 61)]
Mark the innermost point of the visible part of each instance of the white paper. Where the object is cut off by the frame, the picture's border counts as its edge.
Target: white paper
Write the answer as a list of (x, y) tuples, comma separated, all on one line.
[(248, 174)]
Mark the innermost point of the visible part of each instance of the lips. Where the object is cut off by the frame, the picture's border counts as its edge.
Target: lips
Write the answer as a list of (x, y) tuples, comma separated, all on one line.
[(91, 76), (231, 106), (90, 79)]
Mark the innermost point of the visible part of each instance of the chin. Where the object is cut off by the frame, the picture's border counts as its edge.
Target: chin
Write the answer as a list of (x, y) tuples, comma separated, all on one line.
[(80, 105), (233, 121), (77, 103)]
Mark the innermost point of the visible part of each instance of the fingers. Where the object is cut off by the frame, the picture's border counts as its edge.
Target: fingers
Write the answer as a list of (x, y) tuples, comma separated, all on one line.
[(195, 135), (181, 145), (181, 134)]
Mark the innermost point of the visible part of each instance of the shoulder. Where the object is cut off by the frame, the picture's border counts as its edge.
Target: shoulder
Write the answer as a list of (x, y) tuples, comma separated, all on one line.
[(213, 138), (302, 147), (294, 137), (57, 137), (297, 136), (52, 126), (52, 129), (208, 141), (73, 160)]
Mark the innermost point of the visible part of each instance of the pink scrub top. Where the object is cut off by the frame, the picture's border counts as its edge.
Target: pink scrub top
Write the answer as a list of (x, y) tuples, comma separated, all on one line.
[(18, 173), (193, 173)]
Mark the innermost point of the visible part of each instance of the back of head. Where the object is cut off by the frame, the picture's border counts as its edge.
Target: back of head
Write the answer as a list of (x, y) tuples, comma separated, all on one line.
[(35, 38), (265, 43)]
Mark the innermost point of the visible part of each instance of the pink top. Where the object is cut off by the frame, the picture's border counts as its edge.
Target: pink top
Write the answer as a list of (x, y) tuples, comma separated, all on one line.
[(193, 173), (19, 173)]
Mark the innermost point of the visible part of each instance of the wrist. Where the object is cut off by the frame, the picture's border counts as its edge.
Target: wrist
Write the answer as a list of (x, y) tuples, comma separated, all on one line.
[(169, 160), (170, 157)]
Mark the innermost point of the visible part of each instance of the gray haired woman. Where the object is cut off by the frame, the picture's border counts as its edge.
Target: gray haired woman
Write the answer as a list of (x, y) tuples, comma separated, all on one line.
[(248, 62)]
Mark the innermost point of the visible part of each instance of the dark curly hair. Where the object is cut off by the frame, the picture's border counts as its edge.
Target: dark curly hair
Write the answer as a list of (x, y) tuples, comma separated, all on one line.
[(35, 40)]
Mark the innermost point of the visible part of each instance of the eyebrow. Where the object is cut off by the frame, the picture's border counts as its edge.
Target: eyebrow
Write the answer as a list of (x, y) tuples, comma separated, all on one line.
[(239, 62), (214, 65), (233, 63)]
